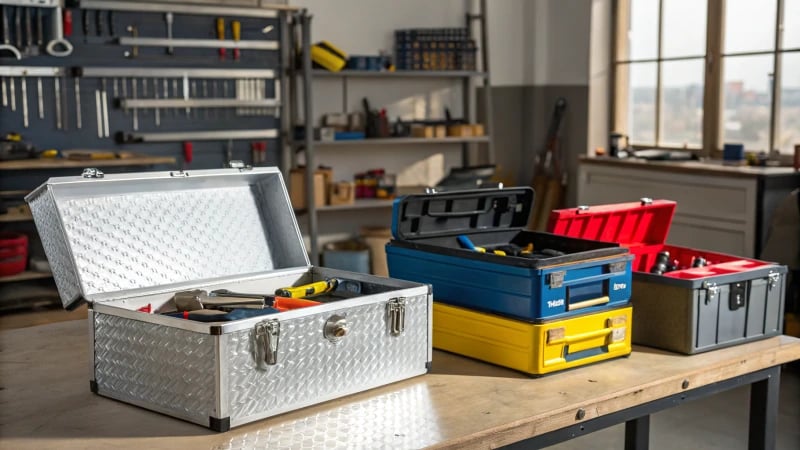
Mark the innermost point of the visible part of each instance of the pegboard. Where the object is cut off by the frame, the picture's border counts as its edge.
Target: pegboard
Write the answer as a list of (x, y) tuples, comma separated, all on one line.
[(76, 102)]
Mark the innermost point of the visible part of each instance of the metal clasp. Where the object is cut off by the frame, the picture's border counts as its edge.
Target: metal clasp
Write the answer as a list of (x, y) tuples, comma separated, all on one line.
[(179, 174), (239, 164), (396, 309), (712, 291), (266, 343), (582, 209), (556, 279), (646, 201), (618, 266), (91, 172), (772, 279)]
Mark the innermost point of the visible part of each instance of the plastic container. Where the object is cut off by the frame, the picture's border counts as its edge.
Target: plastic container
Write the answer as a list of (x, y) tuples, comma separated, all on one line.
[(346, 255), (13, 253)]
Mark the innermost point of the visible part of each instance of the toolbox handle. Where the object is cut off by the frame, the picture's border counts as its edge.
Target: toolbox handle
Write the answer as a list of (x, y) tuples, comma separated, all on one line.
[(587, 303), (487, 208), (564, 339)]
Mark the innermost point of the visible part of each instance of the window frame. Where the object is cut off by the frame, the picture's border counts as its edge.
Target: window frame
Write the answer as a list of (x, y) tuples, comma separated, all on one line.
[(713, 87)]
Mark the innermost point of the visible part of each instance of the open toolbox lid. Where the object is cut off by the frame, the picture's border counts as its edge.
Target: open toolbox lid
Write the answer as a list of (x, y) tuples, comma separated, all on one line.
[(452, 213), (108, 236), (632, 224), (643, 228)]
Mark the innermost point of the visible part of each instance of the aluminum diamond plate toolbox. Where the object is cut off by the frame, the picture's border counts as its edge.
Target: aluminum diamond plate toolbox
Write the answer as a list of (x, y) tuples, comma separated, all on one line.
[(128, 243)]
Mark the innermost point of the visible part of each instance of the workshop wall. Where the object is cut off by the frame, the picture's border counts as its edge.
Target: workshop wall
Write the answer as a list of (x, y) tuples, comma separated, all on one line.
[(95, 39)]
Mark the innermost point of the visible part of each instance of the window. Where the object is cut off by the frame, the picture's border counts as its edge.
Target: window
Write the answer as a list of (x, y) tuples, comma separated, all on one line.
[(723, 67)]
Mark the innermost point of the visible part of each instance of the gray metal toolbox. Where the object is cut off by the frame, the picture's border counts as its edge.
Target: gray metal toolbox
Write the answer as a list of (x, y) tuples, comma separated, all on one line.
[(700, 300), (126, 243)]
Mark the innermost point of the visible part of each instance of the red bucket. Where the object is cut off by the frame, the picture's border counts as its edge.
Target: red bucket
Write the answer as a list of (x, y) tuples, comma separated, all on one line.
[(13, 253)]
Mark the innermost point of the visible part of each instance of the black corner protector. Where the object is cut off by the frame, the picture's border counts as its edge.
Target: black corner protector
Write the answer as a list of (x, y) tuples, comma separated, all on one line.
[(219, 425), (215, 330), (93, 386), (429, 365)]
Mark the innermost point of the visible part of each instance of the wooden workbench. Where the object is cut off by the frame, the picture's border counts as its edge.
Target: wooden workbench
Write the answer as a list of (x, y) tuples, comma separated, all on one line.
[(46, 402)]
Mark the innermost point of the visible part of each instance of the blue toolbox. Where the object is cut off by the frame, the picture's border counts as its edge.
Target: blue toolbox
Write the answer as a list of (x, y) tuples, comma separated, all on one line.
[(471, 246)]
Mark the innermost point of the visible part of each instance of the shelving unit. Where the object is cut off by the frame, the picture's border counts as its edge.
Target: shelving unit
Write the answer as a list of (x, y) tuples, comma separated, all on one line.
[(39, 169), (26, 276), (299, 38)]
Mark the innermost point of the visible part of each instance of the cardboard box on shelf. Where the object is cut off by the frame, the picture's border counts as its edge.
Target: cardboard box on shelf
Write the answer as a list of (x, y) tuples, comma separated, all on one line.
[(342, 193), (297, 187)]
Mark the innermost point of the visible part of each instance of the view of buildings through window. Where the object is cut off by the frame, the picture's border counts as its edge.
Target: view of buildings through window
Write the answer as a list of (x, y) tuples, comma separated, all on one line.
[(748, 67)]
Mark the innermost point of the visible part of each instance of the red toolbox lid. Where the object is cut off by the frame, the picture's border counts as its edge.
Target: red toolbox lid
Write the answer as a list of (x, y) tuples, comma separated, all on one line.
[(632, 224)]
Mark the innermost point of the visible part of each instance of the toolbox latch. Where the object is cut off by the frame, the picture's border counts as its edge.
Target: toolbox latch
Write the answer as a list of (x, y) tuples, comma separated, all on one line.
[(179, 174), (396, 311), (556, 279), (266, 343), (712, 291), (239, 164), (618, 266), (772, 279), (737, 296), (91, 172)]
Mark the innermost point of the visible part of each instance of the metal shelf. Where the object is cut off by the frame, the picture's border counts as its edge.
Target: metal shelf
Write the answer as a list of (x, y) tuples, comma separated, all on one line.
[(53, 163), (364, 203), (399, 74), (403, 141), (27, 275), (16, 215)]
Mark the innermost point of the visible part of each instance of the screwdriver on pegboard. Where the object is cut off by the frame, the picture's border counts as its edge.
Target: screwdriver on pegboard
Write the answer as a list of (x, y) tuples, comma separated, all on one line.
[(236, 32), (221, 35)]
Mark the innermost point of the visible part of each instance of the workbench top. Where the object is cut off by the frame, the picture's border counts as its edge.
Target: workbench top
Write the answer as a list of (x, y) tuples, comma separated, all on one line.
[(461, 404), (704, 167)]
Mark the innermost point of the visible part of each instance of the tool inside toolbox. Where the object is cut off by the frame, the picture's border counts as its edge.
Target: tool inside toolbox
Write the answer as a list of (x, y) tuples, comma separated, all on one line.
[(643, 227), (235, 301), (682, 261)]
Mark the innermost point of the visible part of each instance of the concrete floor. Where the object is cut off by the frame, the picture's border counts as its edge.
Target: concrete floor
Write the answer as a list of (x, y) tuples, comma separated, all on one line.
[(717, 422)]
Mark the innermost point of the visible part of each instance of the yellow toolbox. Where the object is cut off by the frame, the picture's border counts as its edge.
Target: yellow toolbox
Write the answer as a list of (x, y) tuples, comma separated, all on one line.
[(533, 348)]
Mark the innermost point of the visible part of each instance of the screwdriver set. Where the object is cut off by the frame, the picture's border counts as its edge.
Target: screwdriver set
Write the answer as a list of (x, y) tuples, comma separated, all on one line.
[(146, 75)]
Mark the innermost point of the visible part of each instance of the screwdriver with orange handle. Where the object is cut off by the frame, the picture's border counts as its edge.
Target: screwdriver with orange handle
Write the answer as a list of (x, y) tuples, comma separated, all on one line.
[(236, 31), (221, 35)]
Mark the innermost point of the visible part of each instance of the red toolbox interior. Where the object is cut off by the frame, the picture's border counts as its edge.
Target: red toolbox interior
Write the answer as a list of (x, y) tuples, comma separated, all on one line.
[(643, 227)]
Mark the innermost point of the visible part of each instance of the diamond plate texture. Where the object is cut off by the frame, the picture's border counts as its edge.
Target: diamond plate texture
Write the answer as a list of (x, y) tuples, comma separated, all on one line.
[(147, 239), (381, 422), (310, 368), (165, 367), (51, 233)]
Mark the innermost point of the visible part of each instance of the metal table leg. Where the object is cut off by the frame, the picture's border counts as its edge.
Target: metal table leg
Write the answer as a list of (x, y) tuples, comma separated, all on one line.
[(637, 433), (764, 411)]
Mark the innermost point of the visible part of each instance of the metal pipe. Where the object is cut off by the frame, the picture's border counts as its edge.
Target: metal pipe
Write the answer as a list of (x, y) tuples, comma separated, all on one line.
[(267, 11), (159, 72), (204, 135), (308, 119), (196, 43)]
